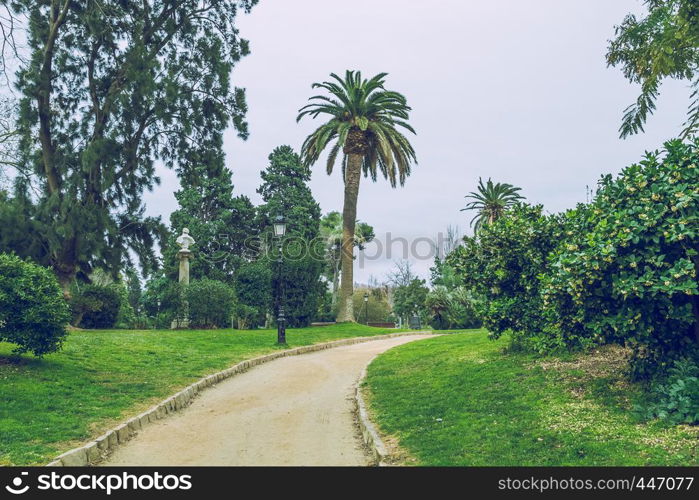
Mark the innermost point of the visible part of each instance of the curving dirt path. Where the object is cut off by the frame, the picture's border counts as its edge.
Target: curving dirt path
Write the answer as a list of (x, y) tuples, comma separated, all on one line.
[(295, 410)]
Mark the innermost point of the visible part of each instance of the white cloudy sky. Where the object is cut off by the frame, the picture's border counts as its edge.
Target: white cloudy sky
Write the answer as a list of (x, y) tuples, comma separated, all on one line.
[(516, 90)]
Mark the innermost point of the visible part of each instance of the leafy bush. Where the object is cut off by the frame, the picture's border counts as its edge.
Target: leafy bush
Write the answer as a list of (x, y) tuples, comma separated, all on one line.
[(627, 271), (245, 316), (96, 306), (301, 273), (676, 399), (451, 309), (33, 312), (211, 303), (162, 300), (501, 268), (127, 315), (462, 309), (253, 287), (325, 307)]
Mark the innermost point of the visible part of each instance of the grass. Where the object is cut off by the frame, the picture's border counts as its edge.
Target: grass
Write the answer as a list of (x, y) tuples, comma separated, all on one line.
[(50, 405), (460, 400)]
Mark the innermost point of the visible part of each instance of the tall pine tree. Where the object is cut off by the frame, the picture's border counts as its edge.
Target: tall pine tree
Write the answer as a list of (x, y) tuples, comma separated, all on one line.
[(108, 89), (285, 192)]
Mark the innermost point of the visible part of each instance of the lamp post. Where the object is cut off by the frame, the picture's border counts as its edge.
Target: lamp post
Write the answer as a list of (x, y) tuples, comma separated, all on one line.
[(279, 231), (366, 308), (157, 315)]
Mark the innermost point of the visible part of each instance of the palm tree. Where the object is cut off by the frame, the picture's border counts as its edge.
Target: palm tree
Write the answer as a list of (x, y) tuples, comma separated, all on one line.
[(491, 201), (363, 124), (438, 304)]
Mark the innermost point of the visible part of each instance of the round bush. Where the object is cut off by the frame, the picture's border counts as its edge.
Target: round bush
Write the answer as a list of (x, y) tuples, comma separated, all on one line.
[(211, 303), (33, 312)]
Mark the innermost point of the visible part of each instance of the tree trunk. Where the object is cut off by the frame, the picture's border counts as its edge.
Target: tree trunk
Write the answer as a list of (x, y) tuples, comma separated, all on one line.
[(349, 218), (65, 269), (336, 274)]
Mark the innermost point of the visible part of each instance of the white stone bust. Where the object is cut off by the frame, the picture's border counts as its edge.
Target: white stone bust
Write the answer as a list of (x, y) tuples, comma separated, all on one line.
[(185, 240)]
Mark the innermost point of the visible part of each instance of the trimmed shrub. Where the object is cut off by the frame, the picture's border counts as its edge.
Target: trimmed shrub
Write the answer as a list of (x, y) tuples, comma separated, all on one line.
[(211, 303), (33, 312)]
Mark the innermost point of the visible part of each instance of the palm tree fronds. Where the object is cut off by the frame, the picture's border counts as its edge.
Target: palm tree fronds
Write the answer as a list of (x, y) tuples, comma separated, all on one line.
[(491, 200)]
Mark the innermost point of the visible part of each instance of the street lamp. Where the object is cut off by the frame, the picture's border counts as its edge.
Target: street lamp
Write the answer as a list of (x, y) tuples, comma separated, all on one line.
[(157, 315), (279, 227), (366, 308)]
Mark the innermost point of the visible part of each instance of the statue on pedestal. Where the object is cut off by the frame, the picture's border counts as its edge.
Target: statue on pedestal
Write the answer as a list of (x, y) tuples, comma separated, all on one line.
[(184, 241)]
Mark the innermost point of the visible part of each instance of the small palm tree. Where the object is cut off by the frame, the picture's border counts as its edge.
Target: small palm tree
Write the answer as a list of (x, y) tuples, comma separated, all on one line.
[(363, 124), (331, 232), (491, 201), (438, 303)]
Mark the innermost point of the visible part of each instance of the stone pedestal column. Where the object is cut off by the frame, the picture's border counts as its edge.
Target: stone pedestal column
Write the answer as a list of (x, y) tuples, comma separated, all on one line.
[(183, 256), (184, 241)]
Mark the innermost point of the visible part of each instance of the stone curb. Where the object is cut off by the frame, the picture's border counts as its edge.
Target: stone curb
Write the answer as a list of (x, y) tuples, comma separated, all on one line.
[(96, 450), (370, 435)]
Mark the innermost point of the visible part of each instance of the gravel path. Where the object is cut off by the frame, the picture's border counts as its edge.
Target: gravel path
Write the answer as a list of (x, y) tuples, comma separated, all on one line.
[(295, 410)]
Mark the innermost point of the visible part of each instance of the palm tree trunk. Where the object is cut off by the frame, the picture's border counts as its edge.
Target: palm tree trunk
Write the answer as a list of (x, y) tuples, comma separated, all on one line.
[(349, 218), (336, 273)]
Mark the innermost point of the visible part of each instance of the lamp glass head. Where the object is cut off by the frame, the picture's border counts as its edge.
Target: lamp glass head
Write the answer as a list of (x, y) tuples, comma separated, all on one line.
[(279, 226)]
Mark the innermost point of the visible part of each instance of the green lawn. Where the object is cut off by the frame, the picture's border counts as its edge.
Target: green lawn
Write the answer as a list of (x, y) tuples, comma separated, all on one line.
[(459, 400), (49, 405)]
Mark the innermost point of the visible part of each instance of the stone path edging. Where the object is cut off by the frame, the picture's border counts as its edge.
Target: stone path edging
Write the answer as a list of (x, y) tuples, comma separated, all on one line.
[(94, 451), (370, 435)]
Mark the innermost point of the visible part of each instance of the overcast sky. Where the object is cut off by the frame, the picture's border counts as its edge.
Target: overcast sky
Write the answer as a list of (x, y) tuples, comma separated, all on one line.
[(516, 90)]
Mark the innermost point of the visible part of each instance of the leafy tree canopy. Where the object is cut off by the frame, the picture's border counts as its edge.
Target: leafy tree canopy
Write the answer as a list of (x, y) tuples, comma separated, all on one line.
[(108, 89), (662, 44), (364, 119), (409, 300), (285, 191)]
